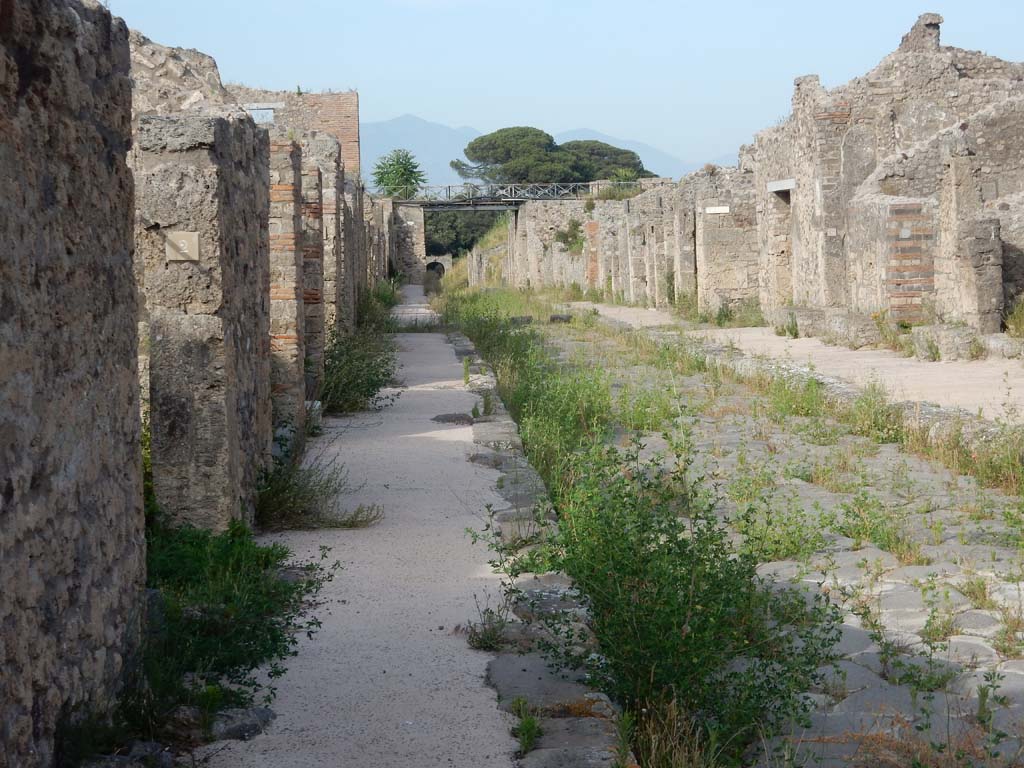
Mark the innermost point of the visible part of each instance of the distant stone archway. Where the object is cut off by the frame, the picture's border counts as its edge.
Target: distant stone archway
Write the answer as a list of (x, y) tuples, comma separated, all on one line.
[(437, 268)]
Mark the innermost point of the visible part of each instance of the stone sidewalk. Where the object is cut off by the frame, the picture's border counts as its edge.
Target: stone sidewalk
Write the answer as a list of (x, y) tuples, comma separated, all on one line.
[(415, 310), (985, 386), (389, 679)]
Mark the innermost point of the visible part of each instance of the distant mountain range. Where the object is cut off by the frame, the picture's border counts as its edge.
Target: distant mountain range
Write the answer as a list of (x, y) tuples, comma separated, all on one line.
[(436, 145)]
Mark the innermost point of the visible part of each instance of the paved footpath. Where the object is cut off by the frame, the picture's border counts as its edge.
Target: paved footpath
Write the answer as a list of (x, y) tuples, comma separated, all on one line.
[(979, 385), (385, 682)]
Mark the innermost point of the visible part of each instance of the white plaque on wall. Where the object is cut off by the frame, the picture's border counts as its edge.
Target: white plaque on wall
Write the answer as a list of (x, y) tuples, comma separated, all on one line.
[(182, 246), (717, 209)]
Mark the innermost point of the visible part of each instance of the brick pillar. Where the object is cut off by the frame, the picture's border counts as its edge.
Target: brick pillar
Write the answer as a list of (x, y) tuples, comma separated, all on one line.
[(313, 273), (72, 548), (325, 150), (287, 307), (202, 206), (355, 243), (910, 264)]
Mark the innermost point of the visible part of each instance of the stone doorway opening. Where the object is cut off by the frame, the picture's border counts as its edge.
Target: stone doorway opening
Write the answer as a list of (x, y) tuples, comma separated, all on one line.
[(780, 241), (432, 277)]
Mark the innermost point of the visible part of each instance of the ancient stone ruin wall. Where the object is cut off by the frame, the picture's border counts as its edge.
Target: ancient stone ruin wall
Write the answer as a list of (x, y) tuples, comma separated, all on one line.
[(287, 308), (320, 117), (386, 238), (203, 250), (725, 237), (71, 521), (325, 151), (313, 273), (333, 113), (899, 192), (173, 79), (355, 229), (410, 247)]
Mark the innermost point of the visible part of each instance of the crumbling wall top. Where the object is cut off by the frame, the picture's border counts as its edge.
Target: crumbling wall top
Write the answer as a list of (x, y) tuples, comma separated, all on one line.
[(173, 79), (924, 35)]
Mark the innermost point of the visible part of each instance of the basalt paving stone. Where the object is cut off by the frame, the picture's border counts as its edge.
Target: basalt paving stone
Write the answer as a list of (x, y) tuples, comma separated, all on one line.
[(529, 677), (579, 757), (846, 677), (853, 640), (970, 651), (958, 527), (979, 623), (576, 732), (552, 601)]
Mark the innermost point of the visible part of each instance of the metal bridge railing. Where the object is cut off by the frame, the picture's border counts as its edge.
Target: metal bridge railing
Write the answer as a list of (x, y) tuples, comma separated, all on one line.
[(510, 193)]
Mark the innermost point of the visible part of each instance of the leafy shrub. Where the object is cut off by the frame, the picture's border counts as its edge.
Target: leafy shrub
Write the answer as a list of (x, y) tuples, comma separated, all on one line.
[(1015, 319), (865, 518), (778, 533), (356, 368), (795, 396), (225, 612), (790, 328), (571, 237), (675, 610), (872, 415)]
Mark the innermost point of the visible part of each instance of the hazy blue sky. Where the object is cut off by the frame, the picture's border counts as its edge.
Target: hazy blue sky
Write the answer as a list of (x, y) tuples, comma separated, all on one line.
[(696, 79)]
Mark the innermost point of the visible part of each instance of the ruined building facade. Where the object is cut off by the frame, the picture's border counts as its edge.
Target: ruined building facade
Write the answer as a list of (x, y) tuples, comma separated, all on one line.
[(72, 549), (900, 192), (172, 260)]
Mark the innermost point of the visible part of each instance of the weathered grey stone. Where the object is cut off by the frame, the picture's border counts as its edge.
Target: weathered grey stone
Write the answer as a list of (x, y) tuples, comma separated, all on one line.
[(241, 724), (206, 318), (528, 676), (979, 623), (826, 219), (569, 757), (71, 526), (971, 651), (576, 733)]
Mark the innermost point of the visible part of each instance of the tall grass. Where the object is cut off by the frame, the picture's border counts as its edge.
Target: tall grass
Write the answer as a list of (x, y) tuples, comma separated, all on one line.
[(677, 612), (358, 365)]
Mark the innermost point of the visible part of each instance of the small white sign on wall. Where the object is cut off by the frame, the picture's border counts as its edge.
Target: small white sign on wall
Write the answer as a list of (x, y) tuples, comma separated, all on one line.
[(182, 246), (717, 209)]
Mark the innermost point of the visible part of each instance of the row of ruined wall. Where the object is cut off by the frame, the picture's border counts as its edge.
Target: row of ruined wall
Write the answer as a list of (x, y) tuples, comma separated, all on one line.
[(900, 192), (166, 258), (253, 246)]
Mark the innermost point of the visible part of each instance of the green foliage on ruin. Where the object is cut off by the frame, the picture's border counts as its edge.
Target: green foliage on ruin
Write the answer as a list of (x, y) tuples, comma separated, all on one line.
[(398, 174), (524, 155), (358, 365), (571, 237), (220, 607)]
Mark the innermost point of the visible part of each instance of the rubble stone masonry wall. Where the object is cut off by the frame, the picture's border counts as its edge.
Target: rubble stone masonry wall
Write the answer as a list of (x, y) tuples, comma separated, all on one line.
[(203, 261), (72, 549), (313, 273), (287, 307), (900, 192)]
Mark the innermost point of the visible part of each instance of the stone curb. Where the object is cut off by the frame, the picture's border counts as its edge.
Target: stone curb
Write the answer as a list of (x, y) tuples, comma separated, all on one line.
[(577, 723)]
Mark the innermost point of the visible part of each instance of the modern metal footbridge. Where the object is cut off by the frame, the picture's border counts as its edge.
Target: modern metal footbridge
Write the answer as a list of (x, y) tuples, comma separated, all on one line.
[(504, 197)]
